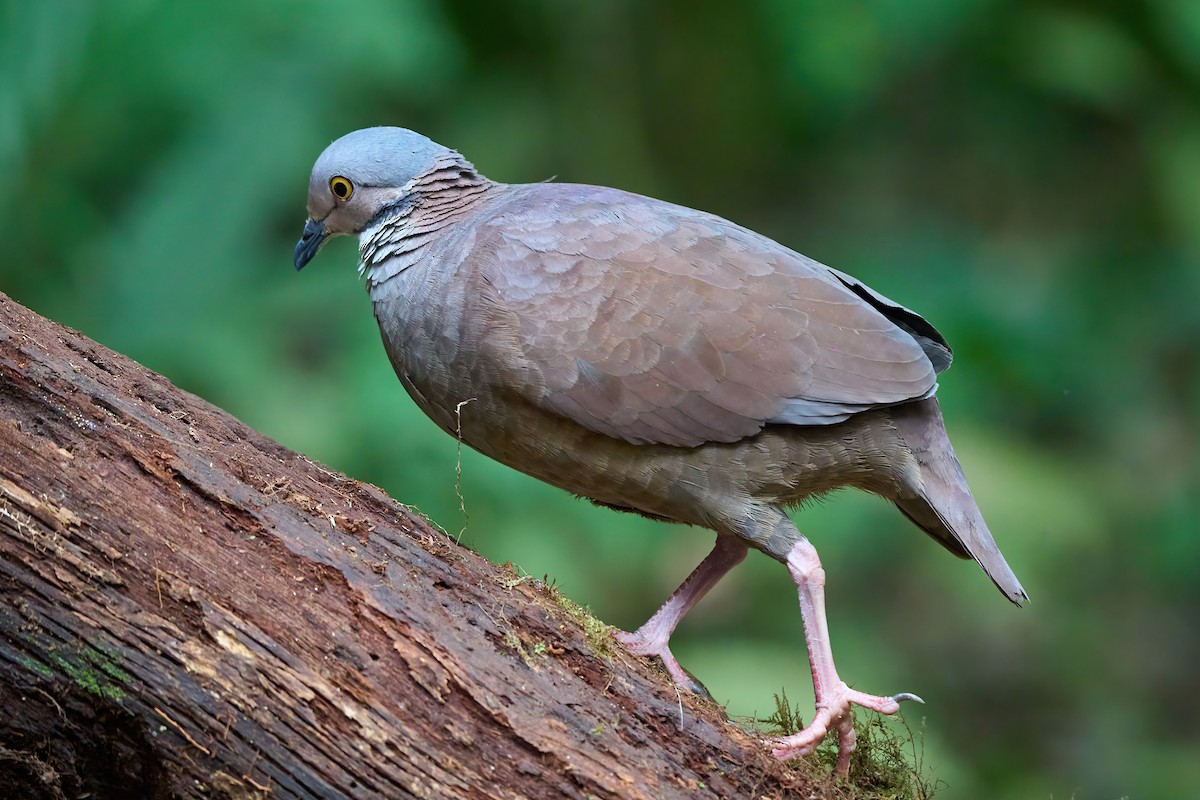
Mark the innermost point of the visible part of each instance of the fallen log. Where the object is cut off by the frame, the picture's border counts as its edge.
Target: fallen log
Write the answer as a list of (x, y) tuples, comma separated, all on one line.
[(189, 609)]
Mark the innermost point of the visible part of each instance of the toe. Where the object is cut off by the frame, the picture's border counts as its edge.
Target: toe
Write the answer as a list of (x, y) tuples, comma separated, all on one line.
[(835, 714), (884, 705), (803, 742), (640, 646)]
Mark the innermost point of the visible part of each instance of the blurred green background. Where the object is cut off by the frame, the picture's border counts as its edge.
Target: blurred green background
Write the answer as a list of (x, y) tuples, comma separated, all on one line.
[(1025, 174)]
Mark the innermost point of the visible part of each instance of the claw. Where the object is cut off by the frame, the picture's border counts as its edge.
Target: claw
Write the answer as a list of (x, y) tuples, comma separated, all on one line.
[(900, 698), (697, 687)]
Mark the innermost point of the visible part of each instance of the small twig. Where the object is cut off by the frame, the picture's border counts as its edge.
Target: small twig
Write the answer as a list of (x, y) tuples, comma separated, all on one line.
[(158, 585), (49, 697), (265, 789), (185, 734), (256, 784), (462, 502)]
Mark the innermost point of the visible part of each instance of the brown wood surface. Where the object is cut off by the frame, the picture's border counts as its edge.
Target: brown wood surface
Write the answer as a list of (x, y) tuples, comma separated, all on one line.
[(189, 609)]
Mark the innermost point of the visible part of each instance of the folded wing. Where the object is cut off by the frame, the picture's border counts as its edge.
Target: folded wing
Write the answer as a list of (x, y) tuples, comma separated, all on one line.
[(654, 323)]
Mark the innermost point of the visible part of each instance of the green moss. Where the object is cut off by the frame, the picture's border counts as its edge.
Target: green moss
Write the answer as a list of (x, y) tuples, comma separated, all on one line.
[(514, 643), (93, 673), (785, 721), (34, 665), (105, 658), (888, 763), (597, 633), (603, 726)]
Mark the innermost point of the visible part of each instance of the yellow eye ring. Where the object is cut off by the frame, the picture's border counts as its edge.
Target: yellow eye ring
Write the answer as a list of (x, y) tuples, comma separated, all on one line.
[(341, 187)]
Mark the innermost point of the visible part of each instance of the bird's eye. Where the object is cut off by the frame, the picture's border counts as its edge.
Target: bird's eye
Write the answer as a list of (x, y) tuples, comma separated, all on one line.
[(341, 187)]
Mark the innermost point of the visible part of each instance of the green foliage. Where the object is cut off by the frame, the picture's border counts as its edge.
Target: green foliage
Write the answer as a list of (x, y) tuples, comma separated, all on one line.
[(1025, 174)]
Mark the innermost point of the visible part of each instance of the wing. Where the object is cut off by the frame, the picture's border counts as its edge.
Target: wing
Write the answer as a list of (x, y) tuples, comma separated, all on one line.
[(655, 323)]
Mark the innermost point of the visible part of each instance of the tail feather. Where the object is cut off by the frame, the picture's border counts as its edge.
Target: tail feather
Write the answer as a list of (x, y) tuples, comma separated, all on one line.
[(940, 502)]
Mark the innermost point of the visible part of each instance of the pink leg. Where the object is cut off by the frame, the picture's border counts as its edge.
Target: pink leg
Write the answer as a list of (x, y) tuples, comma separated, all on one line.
[(652, 638), (833, 696)]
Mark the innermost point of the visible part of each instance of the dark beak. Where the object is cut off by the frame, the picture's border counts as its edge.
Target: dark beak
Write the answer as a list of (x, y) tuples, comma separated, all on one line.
[(314, 236)]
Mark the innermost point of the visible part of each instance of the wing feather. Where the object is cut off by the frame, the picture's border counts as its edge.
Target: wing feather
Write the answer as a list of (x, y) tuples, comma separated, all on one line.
[(655, 323)]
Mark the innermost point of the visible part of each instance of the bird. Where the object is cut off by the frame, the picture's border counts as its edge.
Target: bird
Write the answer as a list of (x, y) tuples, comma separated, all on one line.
[(654, 359)]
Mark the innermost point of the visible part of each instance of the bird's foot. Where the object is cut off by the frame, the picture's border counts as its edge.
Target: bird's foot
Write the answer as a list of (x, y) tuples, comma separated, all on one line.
[(641, 645), (653, 638), (834, 714)]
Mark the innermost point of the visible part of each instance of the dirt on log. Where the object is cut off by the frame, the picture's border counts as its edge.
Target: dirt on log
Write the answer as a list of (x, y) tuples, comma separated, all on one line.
[(189, 609)]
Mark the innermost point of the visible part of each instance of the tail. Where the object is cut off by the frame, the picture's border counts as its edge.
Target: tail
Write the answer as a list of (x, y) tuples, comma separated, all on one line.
[(940, 503)]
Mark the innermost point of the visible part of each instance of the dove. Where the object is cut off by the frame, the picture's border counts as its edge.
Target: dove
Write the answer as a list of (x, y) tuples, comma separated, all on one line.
[(654, 359)]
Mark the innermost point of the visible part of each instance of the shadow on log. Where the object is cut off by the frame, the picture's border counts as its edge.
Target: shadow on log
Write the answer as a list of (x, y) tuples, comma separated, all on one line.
[(189, 609)]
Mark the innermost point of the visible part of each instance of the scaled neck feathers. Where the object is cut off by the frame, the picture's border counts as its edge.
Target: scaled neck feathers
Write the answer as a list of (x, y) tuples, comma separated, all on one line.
[(403, 229)]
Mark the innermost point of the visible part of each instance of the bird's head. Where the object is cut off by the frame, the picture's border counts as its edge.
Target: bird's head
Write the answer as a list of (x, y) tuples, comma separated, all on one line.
[(357, 177)]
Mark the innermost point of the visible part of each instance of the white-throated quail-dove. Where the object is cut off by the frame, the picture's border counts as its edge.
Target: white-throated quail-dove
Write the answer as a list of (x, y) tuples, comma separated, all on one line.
[(654, 359)]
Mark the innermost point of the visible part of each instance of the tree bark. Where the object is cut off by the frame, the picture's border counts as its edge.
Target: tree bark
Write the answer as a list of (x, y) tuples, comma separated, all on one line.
[(188, 609)]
